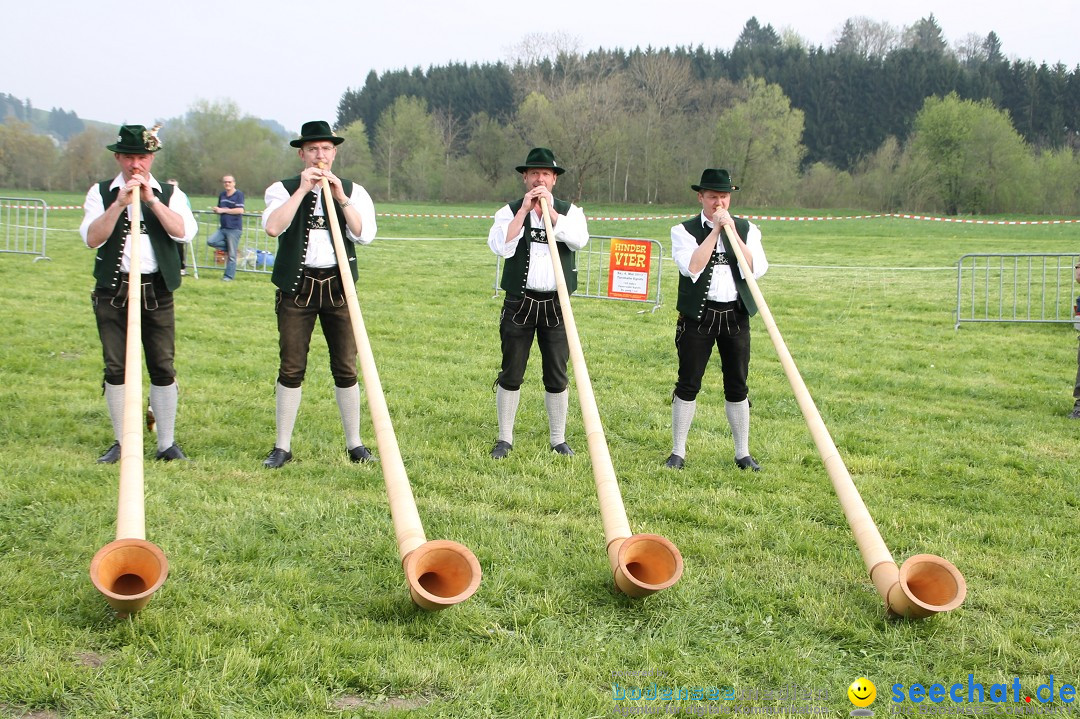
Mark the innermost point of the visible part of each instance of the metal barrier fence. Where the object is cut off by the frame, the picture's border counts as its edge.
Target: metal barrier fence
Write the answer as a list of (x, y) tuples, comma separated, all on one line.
[(1015, 288), (593, 275), (23, 223), (255, 249)]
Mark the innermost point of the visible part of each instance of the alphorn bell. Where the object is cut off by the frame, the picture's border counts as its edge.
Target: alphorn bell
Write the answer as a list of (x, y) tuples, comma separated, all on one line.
[(440, 573), (642, 563), (130, 569), (926, 583)]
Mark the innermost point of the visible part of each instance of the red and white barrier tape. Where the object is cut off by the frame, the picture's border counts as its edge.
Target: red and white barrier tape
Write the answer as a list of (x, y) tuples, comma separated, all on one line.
[(421, 214), (42, 207), (767, 218), (983, 222)]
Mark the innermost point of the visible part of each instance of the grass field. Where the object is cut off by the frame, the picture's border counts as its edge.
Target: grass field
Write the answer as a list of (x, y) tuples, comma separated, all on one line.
[(286, 597)]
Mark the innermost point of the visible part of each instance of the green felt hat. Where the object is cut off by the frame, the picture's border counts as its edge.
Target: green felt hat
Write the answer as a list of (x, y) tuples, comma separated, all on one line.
[(136, 140), (716, 181), (316, 131), (541, 157)]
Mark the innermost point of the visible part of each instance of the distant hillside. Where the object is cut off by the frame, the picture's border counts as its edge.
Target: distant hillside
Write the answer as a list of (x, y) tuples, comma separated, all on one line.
[(62, 124), (276, 127), (98, 125), (58, 123)]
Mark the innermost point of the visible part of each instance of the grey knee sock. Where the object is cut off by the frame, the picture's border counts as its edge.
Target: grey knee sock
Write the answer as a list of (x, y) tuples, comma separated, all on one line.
[(738, 416), (682, 414), (348, 402), (287, 407), (506, 403), (556, 405), (114, 400), (164, 401)]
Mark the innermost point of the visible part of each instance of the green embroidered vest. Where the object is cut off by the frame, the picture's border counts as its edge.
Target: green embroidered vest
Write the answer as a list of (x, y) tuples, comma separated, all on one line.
[(692, 295), (293, 242), (111, 253), (516, 267)]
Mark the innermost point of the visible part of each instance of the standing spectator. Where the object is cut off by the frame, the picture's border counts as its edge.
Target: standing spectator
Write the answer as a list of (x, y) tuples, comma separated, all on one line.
[(166, 222), (714, 306), (310, 286), (531, 306), (230, 206)]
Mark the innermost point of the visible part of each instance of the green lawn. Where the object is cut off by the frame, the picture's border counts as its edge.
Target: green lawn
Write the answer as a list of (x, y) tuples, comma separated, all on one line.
[(286, 597)]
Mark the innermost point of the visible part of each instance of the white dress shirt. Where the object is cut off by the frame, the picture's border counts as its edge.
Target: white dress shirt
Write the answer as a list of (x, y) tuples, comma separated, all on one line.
[(571, 229), (320, 249), (94, 207), (722, 288)]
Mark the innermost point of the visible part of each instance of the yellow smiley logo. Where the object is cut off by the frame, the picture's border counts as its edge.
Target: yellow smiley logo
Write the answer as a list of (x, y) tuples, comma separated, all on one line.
[(862, 692)]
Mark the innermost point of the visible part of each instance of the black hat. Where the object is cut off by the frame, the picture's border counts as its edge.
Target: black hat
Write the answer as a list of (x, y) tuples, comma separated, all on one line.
[(136, 140), (716, 181), (541, 157), (315, 131)]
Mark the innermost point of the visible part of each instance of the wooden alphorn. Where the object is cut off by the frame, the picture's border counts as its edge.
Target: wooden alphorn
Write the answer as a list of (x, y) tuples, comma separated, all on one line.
[(925, 584), (130, 569), (440, 573), (641, 563)]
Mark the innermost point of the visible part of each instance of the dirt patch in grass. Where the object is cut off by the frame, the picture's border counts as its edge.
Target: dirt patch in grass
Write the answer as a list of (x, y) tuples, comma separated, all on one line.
[(90, 659), (20, 713), (380, 703)]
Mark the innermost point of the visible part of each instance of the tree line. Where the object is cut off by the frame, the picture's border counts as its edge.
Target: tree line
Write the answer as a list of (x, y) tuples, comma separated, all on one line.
[(855, 125), (886, 119), (211, 140), (867, 87)]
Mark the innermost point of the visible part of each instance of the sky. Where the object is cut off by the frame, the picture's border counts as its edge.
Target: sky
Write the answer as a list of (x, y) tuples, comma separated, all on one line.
[(137, 63)]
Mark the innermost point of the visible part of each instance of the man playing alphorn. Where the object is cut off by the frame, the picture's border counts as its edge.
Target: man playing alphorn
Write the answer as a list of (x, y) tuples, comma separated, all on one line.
[(106, 226), (531, 306), (309, 285), (714, 306)]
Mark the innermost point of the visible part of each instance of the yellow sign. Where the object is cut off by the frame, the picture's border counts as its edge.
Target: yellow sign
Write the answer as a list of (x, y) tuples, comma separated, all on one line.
[(628, 269)]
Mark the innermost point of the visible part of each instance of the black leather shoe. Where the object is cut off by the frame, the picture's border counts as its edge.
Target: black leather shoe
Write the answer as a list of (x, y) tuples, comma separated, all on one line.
[(563, 448), (747, 462), (1075, 414), (674, 462), (111, 456), (501, 450), (361, 454), (277, 457), (173, 452)]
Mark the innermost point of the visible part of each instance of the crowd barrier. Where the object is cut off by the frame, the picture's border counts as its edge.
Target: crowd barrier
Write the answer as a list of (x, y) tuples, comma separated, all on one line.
[(23, 226), (1023, 287)]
